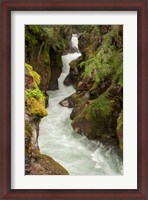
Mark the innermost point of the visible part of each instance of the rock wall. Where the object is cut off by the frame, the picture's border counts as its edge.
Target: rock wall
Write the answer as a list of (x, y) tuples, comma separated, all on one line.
[(35, 162), (44, 46), (97, 77)]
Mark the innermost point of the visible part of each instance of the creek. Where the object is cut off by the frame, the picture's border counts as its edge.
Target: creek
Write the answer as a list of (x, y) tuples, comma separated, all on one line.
[(79, 155)]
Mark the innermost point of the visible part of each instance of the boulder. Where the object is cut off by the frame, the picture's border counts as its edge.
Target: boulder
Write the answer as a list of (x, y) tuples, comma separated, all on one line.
[(98, 122)]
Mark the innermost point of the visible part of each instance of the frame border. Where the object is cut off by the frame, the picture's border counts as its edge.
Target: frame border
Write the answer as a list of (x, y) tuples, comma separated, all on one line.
[(141, 6)]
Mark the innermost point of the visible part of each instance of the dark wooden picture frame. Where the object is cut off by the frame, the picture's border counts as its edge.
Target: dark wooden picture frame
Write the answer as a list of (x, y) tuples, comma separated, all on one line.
[(141, 6)]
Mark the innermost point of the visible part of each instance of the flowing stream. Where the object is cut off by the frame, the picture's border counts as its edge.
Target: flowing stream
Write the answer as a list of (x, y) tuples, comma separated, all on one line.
[(79, 155)]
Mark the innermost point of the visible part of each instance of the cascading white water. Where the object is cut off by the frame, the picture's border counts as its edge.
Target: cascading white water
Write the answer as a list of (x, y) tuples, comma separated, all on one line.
[(79, 155)]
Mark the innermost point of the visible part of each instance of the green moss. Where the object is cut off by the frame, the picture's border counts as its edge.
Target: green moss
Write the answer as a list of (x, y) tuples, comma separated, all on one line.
[(30, 39), (105, 59), (46, 56), (35, 107), (35, 102), (35, 75), (119, 122), (34, 93), (46, 33)]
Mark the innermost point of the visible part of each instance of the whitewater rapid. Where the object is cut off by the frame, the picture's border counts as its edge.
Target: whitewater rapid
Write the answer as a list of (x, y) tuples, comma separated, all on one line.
[(79, 155)]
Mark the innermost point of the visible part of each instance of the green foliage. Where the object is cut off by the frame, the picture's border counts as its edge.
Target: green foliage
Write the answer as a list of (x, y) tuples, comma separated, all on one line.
[(108, 59), (35, 75), (34, 93), (29, 37), (101, 105), (46, 33), (35, 102)]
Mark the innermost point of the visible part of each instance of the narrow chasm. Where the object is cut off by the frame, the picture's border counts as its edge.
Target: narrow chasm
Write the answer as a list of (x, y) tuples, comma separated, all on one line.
[(74, 100), (57, 138)]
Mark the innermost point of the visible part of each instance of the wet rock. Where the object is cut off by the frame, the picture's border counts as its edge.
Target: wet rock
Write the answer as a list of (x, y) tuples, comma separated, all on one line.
[(98, 89), (73, 50), (98, 125), (102, 129), (70, 80), (35, 162), (56, 69), (28, 81), (74, 75), (67, 102), (45, 165), (85, 84)]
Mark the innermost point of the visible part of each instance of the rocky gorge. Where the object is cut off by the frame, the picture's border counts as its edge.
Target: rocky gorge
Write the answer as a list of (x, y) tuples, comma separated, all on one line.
[(95, 107)]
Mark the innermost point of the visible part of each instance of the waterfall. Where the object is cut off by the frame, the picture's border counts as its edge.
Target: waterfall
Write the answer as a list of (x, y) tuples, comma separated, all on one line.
[(79, 155)]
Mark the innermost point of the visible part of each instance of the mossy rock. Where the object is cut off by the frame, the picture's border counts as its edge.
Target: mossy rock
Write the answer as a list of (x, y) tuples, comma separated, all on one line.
[(36, 107), (35, 102), (35, 75)]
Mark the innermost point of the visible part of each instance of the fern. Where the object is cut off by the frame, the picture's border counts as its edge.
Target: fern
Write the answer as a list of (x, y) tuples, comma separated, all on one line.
[(101, 105), (108, 60)]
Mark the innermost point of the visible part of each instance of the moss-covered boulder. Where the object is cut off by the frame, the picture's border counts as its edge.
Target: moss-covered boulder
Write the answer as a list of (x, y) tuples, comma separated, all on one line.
[(34, 97), (97, 118)]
